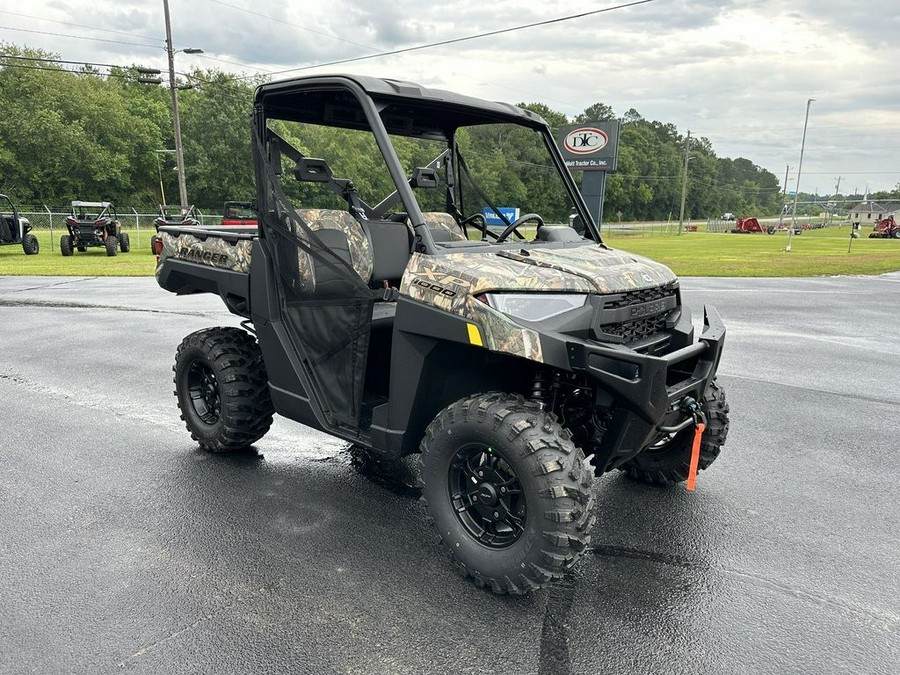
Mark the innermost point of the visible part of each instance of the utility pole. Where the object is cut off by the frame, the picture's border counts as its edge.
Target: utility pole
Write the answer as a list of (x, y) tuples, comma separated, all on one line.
[(179, 152), (787, 169), (799, 169), (837, 194), (684, 179)]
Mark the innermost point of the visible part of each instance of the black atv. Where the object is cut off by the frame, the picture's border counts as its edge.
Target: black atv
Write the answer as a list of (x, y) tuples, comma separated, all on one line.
[(93, 224), (518, 364), (15, 229), (173, 215)]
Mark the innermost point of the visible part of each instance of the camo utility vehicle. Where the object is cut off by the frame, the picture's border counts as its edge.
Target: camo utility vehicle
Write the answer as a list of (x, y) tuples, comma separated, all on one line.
[(16, 229), (93, 224), (380, 309)]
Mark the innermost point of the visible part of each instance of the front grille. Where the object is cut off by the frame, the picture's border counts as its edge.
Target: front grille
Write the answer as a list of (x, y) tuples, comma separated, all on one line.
[(632, 331), (639, 316), (629, 298)]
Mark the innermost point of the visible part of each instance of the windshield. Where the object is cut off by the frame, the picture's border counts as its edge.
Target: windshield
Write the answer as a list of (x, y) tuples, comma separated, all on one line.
[(501, 171), (473, 168), (89, 212), (239, 211)]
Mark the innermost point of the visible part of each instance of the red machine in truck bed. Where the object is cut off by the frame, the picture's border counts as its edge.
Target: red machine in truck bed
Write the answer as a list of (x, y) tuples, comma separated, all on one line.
[(238, 213)]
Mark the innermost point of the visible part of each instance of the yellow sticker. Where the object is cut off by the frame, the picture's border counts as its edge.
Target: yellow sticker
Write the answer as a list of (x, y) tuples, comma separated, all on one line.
[(474, 335)]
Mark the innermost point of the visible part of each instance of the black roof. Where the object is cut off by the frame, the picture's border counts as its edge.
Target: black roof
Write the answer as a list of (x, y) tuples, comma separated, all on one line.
[(876, 207), (324, 99)]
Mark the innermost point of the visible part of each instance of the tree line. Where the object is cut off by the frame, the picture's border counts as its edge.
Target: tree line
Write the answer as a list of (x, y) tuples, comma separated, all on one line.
[(89, 135)]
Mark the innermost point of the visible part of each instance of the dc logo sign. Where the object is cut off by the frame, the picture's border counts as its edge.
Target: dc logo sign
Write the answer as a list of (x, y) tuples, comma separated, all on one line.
[(585, 140)]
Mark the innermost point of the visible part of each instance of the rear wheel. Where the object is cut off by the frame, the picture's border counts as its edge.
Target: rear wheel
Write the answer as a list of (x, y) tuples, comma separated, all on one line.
[(896, 234), (65, 244), (507, 491), (124, 242), (112, 244), (222, 389), (668, 461), (30, 244)]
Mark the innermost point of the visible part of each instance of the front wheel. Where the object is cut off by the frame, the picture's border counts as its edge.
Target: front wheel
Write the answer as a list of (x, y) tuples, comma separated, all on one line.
[(124, 242), (65, 245), (30, 244), (112, 243), (667, 461), (508, 492), (222, 389)]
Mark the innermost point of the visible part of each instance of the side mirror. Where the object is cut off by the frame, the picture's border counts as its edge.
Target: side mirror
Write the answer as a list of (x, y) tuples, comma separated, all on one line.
[(576, 223), (424, 178), (311, 170)]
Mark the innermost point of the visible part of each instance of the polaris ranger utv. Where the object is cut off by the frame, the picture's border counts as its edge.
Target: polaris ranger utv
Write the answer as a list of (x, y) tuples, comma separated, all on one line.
[(380, 308)]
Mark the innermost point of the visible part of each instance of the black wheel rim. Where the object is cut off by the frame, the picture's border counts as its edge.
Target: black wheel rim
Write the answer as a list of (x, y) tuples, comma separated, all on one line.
[(664, 444), (487, 496), (204, 392)]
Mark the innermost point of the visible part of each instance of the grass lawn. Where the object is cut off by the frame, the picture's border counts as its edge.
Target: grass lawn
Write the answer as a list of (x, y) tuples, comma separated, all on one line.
[(94, 262), (815, 253)]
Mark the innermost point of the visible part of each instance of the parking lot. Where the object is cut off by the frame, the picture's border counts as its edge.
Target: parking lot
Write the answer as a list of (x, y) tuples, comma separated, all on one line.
[(123, 548)]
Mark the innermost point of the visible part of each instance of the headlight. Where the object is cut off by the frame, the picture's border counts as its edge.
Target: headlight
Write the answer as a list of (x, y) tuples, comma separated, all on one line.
[(535, 306)]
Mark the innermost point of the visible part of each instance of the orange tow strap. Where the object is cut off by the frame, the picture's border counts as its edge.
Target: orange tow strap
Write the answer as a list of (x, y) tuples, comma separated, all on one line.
[(695, 456)]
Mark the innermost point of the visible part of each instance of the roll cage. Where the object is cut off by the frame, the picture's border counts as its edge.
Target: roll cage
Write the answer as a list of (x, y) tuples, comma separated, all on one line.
[(9, 217), (385, 108), (83, 211), (173, 214)]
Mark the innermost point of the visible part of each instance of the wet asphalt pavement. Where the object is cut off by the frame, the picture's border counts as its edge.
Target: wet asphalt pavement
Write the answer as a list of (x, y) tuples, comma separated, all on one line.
[(123, 548)]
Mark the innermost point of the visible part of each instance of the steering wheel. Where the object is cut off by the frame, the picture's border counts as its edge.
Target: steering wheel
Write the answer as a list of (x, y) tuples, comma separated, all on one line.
[(514, 225)]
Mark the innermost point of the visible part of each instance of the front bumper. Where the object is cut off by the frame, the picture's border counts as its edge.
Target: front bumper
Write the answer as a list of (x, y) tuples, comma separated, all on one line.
[(647, 392)]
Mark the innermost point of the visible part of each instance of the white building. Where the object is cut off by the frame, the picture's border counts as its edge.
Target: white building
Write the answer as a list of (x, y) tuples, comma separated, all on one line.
[(870, 212)]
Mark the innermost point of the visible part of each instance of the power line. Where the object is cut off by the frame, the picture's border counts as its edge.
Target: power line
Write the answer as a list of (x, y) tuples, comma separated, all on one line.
[(62, 70), (51, 60), (232, 63), (466, 38), (294, 25), (79, 37), (78, 25)]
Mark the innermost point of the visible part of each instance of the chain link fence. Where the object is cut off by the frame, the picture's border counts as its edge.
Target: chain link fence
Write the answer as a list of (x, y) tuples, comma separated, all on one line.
[(55, 218), (141, 223)]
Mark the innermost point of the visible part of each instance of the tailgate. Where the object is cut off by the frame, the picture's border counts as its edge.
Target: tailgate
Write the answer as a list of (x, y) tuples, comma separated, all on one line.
[(214, 248)]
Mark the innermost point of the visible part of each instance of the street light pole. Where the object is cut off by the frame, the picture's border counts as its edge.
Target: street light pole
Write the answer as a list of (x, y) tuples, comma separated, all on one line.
[(179, 152), (162, 190), (687, 156), (799, 169)]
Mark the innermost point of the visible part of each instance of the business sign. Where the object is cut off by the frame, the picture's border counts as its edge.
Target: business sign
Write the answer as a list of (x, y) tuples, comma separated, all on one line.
[(592, 146), (509, 212)]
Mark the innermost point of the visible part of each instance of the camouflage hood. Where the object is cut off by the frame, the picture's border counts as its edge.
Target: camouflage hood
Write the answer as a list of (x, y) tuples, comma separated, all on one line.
[(580, 269)]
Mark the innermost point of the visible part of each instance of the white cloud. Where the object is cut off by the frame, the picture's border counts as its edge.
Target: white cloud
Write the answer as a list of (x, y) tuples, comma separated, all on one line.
[(737, 72)]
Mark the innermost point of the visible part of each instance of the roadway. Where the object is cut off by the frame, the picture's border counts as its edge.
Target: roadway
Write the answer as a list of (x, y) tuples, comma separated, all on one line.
[(123, 548)]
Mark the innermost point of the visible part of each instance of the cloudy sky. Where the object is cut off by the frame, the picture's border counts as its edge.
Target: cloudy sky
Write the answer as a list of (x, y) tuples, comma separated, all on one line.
[(738, 72)]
